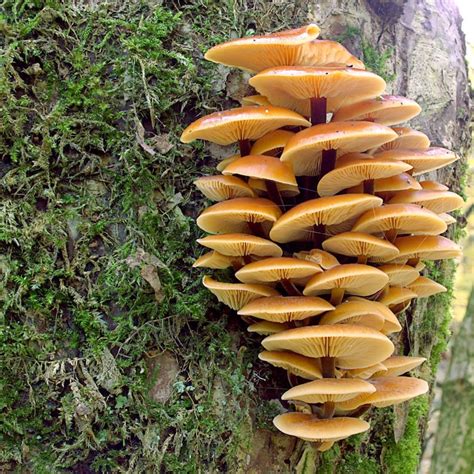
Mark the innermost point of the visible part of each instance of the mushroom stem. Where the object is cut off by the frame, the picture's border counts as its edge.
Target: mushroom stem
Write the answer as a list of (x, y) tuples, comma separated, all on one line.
[(369, 186), (413, 262), (290, 288), (328, 367), (328, 410), (244, 146), (274, 193), (256, 229), (292, 379), (318, 110), (362, 259), (391, 235), (247, 259), (308, 187), (360, 411), (318, 235), (328, 161), (337, 294), (247, 320)]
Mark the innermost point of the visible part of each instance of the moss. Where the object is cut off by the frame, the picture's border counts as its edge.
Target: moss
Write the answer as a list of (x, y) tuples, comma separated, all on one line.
[(93, 190), (403, 457)]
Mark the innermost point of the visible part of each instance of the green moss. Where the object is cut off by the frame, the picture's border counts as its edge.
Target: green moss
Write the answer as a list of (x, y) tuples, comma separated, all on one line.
[(374, 59), (403, 457), (94, 188)]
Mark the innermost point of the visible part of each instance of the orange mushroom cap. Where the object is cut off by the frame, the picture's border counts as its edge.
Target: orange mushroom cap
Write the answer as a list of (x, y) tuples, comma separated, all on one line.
[(242, 123), (386, 109), (293, 86), (304, 150), (297, 223)]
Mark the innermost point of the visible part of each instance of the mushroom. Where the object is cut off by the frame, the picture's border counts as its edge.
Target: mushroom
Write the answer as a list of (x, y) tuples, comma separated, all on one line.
[(294, 364), (324, 259), (298, 47), (241, 125), (343, 345), (307, 220), (265, 328), (395, 219), (267, 168), (425, 247), (399, 365), (216, 260), (241, 245), (254, 215), (425, 287), (386, 109), (236, 295), (283, 270), (436, 201), (221, 188), (328, 392), (314, 91), (272, 143), (447, 218), (313, 151), (355, 168), (284, 309), (309, 428), (407, 138), (361, 245), (227, 161), (255, 53), (397, 299), (433, 186), (399, 274), (359, 312), (353, 278), (254, 100), (422, 160), (367, 372), (386, 188), (389, 391), (391, 323)]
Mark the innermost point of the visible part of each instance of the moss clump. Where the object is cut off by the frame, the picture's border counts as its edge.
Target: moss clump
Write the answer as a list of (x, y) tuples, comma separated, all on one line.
[(403, 457), (96, 242)]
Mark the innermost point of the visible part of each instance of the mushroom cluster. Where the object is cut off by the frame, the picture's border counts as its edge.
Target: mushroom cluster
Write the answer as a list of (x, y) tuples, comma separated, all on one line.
[(324, 224)]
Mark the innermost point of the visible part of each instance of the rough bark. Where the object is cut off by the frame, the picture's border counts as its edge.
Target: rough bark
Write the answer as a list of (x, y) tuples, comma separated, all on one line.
[(452, 447)]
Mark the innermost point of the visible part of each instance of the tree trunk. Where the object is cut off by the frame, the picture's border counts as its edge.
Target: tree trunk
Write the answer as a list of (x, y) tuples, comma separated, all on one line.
[(113, 358), (452, 446)]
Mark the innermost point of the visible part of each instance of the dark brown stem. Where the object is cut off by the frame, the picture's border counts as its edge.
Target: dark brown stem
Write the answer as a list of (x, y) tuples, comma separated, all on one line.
[(244, 146), (328, 367), (290, 288), (256, 229), (292, 379), (369, 186), (318, 235), (360, 411), (308, 187), (274, 194), (247, 259), (413, 262), (247, 320), (328, 161), (318, 110), (391, 235), (328, 409), (362, 259)]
